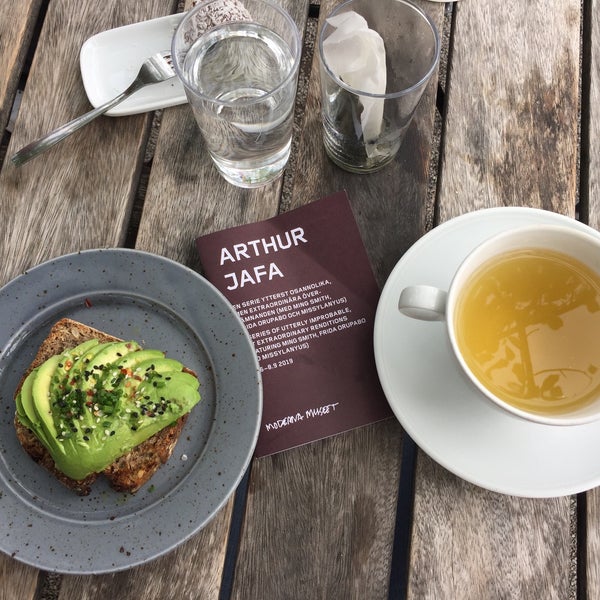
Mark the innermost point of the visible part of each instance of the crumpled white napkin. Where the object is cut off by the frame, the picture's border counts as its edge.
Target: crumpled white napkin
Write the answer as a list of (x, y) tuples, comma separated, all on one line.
[(356, 54)]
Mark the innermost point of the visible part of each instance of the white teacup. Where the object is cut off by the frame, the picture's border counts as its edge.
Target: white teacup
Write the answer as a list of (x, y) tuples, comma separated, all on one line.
[(523, 318)]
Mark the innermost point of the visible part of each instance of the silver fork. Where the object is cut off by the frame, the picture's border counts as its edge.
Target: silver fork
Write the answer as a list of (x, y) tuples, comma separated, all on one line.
[(155, 69)]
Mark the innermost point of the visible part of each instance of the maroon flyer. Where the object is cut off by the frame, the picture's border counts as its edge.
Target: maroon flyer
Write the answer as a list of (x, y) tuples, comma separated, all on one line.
[(303, 286)]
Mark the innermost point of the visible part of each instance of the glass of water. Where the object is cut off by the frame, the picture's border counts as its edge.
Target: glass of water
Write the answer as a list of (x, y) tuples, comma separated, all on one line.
[(363, 129), (239, 67)]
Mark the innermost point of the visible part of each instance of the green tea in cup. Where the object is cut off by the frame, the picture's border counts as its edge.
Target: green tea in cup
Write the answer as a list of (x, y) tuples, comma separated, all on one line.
[(523, 319), (527, 324)]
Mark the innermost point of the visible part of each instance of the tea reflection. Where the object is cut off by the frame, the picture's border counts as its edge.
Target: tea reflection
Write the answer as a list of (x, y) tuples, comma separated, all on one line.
[(528, 325)]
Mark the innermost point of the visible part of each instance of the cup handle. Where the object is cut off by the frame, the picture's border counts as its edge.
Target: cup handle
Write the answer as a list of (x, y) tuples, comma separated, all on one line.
[(423, 302)]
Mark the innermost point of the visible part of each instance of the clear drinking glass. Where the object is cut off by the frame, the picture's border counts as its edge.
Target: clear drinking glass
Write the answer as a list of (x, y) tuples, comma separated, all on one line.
[(240, 77), (412, 51)]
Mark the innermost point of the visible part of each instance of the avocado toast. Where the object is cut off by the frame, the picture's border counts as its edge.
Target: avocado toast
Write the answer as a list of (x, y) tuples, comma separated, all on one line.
[(92, 404)]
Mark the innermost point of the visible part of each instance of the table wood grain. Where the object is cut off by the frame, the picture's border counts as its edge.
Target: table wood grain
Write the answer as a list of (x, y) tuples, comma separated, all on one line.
[(511, 131), (73, 174), (17, 22), (591, 197), (513, 121)]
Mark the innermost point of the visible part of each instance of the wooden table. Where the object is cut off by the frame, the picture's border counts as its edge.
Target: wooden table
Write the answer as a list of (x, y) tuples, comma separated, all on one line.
[(513, 120)]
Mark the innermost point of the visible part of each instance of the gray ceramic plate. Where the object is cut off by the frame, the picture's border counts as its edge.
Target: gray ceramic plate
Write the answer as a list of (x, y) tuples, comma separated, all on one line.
[(163, 305)]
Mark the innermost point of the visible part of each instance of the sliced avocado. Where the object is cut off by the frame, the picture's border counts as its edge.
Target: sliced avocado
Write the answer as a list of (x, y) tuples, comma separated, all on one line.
[(181, 378), (158, 365), (83, 358), (83, 348), (100, 362), (134, 358), (67, 389), (148, 410), (21, 412), (167, 396), (97, 411), (71, 368), (71, 358), (24, 401), (26, 411), (112, 353), (40, 392)]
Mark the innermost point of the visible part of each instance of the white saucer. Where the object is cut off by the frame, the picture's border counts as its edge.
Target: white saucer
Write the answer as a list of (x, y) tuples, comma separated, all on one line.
[(110, 60), (441, 410)]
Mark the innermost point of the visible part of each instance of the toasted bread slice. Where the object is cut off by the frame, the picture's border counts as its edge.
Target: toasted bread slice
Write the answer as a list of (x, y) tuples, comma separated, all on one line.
[(129, 472)]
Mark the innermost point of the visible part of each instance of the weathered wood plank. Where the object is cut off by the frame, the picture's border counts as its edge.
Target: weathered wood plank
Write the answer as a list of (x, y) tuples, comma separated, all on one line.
[(320, 518), (17, 22), (469, 543), (511, 126), (592, 568), (593, 125), (593, 195), (193, 570), (90, 178), (17, 580), (510, 139)]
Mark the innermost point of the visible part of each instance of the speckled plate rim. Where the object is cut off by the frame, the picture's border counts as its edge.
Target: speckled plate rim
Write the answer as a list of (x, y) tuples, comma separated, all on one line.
[(127, 291)]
